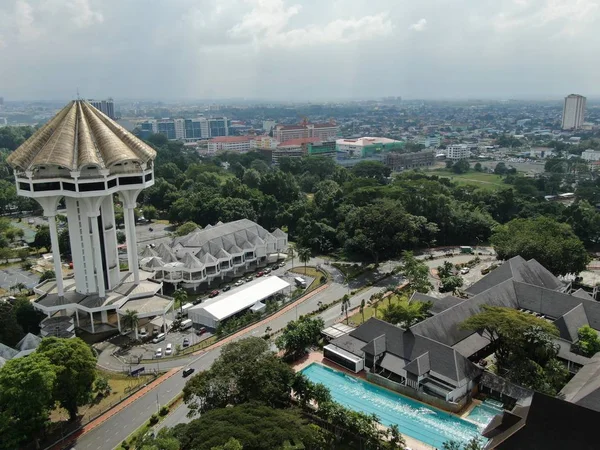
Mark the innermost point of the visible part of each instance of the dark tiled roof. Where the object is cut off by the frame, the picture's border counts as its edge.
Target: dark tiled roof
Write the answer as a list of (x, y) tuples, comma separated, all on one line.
[(570, 322), (445, 362), (581, 293), (551, 424), (438, 304), (29, 342), (516, 268), (584, 387)]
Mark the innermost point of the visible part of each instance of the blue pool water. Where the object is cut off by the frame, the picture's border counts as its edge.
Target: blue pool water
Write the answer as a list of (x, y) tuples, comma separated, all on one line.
[(429, 425), (483, 414)]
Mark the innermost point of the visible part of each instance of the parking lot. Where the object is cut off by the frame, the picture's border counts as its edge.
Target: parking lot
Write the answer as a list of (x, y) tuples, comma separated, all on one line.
[(13, 275)]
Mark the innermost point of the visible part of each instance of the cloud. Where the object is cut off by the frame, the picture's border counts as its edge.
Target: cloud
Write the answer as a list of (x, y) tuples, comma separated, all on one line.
[(419, 25), (24, 21), (268, 24)]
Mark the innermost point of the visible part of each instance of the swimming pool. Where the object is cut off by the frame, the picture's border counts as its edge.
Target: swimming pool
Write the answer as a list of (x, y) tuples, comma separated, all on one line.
[(483, 414), (417, 420)]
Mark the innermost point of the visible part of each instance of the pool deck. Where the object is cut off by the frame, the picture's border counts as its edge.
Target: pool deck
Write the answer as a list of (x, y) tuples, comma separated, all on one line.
[(317, 357)]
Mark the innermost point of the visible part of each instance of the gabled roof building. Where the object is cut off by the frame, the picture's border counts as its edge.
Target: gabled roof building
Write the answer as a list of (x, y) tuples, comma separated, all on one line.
[(215, 252)]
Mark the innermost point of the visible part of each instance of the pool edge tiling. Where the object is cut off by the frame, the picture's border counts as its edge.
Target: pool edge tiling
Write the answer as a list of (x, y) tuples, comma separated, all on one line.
[(415, 419)]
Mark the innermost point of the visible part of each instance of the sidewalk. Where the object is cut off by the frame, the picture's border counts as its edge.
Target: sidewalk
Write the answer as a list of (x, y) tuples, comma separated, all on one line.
[(111, 412)]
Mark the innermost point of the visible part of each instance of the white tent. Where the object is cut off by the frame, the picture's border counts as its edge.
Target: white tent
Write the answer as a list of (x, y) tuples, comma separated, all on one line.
[(212, 312)]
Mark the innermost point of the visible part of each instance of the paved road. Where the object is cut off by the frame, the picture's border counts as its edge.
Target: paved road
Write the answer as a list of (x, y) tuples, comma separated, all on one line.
[(112, 432)]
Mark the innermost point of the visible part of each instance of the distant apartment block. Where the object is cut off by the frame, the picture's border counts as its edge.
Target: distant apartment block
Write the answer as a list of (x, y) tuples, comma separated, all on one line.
[(366, 146), (573, 112), (429, 141), (263, 143), (295, 148), (323, 131), (458, 151), (238, 144), (187, 129), (326, 149), (591, 155), (105, 106), (405, 161)]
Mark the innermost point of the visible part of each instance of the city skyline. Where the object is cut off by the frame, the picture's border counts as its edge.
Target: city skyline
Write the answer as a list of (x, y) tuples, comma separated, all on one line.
[(256, 50)]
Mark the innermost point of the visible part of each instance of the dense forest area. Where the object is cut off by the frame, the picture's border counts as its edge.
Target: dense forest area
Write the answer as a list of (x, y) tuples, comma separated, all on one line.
[(360, 213)]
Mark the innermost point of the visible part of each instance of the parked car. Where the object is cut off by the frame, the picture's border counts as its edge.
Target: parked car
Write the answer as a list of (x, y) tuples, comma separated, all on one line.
[(464, 270), (282, 264), (143, 333), (158, 353), (31, 221), (169, 349), (239, 283), (226, 288), (267, 270), (187, 372), (260, 274), (213, 294), (200, 331), (186, 342), (249, 279)]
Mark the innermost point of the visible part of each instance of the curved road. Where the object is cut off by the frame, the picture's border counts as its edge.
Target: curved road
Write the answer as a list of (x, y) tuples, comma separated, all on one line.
[(115, 429)]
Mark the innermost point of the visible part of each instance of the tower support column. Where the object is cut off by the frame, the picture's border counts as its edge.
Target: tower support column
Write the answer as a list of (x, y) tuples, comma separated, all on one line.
[(56, 254), (98, 257)]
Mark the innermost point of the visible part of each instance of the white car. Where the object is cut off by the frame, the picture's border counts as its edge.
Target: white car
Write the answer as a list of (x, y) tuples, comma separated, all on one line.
[(158, 353), (169, 349), (238, 283), (143, 333), (464, 270)]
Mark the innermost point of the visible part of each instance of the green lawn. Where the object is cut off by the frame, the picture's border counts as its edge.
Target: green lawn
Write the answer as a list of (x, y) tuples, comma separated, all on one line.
[(479, 179), (357, 319)]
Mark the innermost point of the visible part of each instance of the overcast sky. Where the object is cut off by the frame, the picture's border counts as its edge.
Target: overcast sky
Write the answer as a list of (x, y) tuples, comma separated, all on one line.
[(299, 49)]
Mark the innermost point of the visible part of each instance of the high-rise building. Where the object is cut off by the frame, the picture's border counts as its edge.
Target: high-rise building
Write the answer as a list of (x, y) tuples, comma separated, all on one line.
[(104, 159), (188, 129), (458, 151), (105, 106), (573, 112)]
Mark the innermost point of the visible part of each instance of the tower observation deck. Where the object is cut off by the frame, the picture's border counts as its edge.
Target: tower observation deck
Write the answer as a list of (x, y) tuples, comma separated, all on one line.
[(85, 158)]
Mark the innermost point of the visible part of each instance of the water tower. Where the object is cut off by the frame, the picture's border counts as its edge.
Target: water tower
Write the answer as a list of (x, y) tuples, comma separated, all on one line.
[(83, 156)]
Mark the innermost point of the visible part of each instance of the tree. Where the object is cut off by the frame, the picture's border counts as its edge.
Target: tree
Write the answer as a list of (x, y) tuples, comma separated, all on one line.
[(75, 367), (252, 178), (405, 313), (585, 221), (121, 237), (5, 254), (231, 444), (299, 335), (10, 330), (416, 272), (131, 320), (345, 306), (461, 166), (446, 269), (255, 426), (42, 238), (500, 169), (245, 371), (551, 243), (588, 343), (478, 167), (362, 309), (451, 283), (372, 169), (473, 444), (26, 399), (27, 316), (304, 255), (164, 440), (150, 212), (47, 275), (180, 297), (186, 228), (374, 303), (523, 345)]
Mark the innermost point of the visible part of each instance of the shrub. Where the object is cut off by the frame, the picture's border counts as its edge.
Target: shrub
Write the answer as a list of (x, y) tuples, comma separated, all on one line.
[(323, 279), (125, 445), (153, 419), (164, 410)]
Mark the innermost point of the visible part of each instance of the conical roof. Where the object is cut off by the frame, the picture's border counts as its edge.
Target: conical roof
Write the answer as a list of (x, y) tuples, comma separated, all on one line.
[(148, 252), (29, 342), (155, 263), (80, 135), (191, 262), (165, 253)]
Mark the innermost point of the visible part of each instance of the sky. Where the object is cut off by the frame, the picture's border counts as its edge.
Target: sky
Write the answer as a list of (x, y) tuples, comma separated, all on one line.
[(299, 50)]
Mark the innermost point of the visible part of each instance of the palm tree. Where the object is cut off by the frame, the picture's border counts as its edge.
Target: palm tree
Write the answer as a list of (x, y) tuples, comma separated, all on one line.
[(374, 303), (304, 255), (345, 306), (291, 252), (131, 320), (180, 296), (362, 309)]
